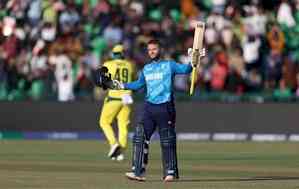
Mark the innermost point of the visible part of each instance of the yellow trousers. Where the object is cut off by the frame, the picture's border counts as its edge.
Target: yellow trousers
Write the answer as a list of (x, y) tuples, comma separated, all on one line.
[(115, 109)]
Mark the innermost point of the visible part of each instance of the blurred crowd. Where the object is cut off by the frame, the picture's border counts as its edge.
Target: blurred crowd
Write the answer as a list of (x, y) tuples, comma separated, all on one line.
[(49, 49)]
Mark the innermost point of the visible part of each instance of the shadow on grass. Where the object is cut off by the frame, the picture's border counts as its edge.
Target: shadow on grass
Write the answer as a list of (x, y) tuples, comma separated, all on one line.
[(264, 178)]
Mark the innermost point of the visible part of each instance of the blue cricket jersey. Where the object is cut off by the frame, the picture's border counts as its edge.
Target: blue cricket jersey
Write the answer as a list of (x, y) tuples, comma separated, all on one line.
[(158, 77)]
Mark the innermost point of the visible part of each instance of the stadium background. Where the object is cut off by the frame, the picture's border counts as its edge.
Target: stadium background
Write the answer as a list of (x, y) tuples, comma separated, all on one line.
[(250, 72), (247, 90)]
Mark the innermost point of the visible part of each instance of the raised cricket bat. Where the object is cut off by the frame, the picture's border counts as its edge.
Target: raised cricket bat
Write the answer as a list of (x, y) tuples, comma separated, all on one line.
[(197, 46)]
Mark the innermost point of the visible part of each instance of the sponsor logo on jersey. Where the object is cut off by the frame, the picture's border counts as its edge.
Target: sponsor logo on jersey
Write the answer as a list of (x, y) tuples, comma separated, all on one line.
[(154, 76)]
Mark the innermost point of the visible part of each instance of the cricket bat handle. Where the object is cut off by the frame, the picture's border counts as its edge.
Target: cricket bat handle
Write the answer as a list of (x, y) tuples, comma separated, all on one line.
[(193, 74), (194, 70)]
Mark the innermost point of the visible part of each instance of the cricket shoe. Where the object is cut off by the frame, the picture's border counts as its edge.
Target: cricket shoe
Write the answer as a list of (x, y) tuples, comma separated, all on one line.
[(114, 150), (132, 176), (170, 178), (119, 157)]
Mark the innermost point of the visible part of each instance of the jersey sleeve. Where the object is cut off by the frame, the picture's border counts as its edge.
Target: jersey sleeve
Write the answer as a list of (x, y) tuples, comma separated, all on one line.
[(135, 85), (178, 68)]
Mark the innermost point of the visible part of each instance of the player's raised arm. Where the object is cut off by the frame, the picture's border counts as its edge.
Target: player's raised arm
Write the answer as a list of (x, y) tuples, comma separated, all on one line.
[(181, 68), (187, 68)]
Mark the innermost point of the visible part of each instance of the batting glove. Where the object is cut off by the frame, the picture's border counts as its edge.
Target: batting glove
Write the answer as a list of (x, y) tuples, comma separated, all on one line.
[(193, 56), (202, 53), (117, 85)]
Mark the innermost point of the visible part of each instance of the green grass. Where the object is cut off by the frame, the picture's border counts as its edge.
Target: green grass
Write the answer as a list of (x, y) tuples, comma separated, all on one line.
[(207, 165)]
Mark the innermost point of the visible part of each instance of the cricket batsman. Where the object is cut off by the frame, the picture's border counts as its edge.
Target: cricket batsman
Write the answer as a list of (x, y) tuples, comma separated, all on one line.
[(158, 111), (117, 104)]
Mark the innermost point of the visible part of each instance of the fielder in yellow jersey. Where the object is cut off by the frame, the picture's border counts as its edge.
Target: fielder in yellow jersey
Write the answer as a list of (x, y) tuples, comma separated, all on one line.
[(117, 104)]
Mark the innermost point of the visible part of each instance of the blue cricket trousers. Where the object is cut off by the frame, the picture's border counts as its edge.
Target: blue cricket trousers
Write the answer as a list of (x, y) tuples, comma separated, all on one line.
[(162, 116)]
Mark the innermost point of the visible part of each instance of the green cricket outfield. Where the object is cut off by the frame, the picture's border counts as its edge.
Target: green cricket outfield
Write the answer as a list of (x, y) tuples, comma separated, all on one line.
[(46, 164)]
